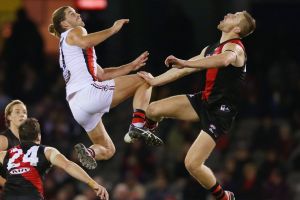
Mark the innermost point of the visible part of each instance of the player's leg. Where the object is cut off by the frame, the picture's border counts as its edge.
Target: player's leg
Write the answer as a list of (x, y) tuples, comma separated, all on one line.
[(102, 148), (134, 85), (102, 144), (194, 162), (177, 107)]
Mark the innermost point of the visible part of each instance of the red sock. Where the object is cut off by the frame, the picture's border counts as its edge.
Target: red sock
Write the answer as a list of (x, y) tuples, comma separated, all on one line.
[(218, 192), (138, 118), (91, 152)]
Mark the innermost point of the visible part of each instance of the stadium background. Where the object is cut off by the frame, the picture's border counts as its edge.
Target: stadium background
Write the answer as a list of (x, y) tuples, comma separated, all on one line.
[(260, 159)]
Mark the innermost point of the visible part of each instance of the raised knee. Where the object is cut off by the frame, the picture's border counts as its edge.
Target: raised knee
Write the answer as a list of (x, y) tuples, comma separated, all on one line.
[(189, 165), (192, 166), (110, 152), (152, 110), (140, 80)]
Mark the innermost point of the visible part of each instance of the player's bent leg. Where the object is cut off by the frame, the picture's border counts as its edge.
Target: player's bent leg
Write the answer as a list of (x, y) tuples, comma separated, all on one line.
[(194, 162), (127, 86), (177, 107), (102, 144), (134, 85), (195, 158), (102, 148)]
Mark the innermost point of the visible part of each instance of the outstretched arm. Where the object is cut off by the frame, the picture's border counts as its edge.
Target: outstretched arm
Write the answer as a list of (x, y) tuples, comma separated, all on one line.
[(113, 72), (79, 37), (170, 75), (231, 54), (59, 160)]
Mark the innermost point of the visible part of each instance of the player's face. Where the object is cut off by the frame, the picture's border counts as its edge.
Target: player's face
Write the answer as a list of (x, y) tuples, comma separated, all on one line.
[(230, 21), (18, 115), (73, 18)]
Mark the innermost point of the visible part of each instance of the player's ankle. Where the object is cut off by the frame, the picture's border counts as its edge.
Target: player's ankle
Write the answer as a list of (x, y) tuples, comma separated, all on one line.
[(91, 152), (138, 118)]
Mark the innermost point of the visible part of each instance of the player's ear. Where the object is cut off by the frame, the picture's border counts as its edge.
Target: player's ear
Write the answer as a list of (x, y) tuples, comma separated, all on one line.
[(64, 24), (237, 30), (39, 139)]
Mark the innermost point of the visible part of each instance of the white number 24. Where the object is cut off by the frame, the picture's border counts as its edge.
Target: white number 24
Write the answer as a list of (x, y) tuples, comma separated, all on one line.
[(30, 156)]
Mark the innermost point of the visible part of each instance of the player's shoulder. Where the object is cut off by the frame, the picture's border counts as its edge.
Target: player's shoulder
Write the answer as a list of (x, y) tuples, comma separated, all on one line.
[(78, 30), (232, 46)]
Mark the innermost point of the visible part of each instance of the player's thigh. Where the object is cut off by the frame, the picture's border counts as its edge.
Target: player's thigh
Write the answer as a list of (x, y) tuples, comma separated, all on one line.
[(178, 107), (99, 135), (125, 87), (200, 149)]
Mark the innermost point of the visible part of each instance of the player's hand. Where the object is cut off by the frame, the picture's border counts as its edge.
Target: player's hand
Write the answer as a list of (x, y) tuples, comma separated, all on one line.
[(101, 192), (148, 77), (139, 61), (172, 61), (119, 24)]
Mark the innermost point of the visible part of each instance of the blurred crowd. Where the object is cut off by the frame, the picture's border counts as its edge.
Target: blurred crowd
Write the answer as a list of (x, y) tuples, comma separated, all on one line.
[(259, 159)]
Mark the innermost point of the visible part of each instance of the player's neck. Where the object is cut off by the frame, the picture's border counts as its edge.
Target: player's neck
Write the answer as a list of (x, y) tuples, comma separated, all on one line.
[(228, 36), (14, 130)]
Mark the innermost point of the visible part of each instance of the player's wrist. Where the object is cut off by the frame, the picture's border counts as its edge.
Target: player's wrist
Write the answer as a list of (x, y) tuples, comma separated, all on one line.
[(91, 184)]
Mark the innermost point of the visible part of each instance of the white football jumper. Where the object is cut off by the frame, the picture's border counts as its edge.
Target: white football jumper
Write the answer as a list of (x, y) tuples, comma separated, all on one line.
[(88, 98)]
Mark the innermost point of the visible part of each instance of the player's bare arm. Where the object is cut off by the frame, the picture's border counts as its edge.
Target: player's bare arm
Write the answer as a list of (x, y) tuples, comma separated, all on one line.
[(172, 74), (3, 143), (113, 72), (231, 54), (59, 160), (79, 37), (2, 155)]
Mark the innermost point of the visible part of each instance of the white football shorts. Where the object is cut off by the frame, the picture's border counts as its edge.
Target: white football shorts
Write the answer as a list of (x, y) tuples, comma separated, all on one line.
[(90, 103)]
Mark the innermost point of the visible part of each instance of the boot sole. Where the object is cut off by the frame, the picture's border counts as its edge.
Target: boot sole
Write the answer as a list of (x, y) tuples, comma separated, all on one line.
[(84, 158)]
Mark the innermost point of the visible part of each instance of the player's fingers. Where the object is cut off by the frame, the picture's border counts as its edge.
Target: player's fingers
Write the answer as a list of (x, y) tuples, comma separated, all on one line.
[(106, 195), (143, 74), (167, 61), (146, 53), (98, 191), (145, 58)]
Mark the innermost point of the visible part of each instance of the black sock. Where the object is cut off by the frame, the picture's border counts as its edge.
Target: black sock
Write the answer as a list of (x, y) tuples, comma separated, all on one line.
[(218, 192), (150, 124)]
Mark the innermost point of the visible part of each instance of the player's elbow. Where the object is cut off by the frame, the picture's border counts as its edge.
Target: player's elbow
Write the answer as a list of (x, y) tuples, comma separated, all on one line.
[(225, 61)]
